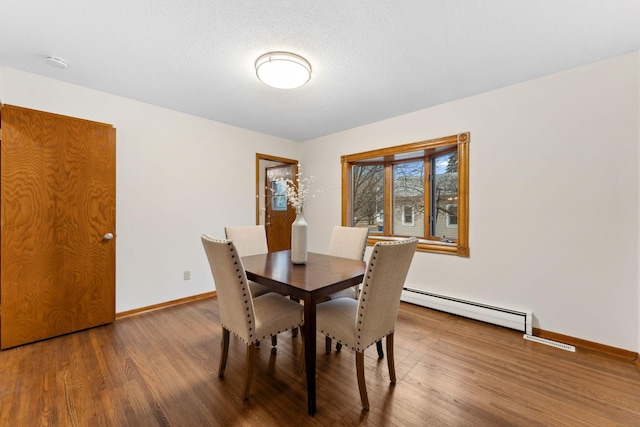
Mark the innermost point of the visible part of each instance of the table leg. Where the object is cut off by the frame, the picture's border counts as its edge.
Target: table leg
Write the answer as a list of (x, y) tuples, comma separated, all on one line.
[(310, 352)]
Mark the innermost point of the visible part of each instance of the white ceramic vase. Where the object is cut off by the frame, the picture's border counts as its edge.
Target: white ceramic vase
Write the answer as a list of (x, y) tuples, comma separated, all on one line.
[(299, 240)]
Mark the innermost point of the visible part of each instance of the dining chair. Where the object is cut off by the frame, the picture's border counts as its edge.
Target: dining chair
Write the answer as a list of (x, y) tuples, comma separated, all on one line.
[(250, 240), (358, 324), (250, 319), (348, 242)]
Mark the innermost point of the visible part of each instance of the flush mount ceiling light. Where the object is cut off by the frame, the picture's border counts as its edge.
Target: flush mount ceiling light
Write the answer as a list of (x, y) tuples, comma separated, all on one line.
[(54, 61), (283, 70)]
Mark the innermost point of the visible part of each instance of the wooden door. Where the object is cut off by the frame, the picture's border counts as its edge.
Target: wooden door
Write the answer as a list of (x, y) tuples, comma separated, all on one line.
[(279, 215), (57, 263)]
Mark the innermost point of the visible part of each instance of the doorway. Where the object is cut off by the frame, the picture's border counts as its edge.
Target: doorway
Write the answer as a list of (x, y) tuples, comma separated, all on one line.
[(272, 209)]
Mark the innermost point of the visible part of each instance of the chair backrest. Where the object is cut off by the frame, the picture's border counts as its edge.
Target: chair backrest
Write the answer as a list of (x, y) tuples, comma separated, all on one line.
[(348, 242), (249, 239), (234, 298), (380, 296)]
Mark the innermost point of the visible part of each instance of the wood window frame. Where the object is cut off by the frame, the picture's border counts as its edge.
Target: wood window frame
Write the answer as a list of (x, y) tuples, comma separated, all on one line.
[(460, 247)]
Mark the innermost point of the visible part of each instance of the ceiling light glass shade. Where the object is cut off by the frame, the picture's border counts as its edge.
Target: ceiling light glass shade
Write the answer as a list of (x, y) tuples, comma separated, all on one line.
[(283, 70)]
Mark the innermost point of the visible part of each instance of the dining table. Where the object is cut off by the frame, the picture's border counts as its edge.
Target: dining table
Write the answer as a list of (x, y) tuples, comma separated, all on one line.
[(310, 283)]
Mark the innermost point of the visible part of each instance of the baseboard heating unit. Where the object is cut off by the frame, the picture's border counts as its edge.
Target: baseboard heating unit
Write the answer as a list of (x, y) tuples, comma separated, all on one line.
[(513, 319)]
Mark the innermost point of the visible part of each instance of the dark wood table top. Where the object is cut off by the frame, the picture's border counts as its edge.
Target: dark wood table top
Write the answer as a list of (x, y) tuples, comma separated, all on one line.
[(322, 275)]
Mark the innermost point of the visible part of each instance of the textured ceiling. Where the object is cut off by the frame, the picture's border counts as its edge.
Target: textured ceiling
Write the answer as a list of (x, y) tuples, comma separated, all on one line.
[(371, 60)]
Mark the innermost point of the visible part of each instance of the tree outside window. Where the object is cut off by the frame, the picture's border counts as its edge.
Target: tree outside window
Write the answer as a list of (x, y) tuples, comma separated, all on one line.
[(368, 201)]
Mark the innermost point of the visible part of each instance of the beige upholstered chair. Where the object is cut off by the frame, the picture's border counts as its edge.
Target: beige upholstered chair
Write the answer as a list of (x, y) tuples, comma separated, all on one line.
[(250, 240), (250, 319), (358, 324), (348, 242)]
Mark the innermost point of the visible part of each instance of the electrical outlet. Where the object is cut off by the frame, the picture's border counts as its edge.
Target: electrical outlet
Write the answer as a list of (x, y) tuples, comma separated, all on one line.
[(187, 275)]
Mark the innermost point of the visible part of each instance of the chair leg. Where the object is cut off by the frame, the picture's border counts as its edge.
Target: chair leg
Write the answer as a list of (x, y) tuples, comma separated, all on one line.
[(379, 348), (294, 331), (248, 370), (338, 346), (362, 385), (390, 361), (225, 351), (274, 340), (327, 345)]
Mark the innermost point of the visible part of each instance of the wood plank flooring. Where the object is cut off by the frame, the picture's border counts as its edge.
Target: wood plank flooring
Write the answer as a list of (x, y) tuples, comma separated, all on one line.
[(159, 369)]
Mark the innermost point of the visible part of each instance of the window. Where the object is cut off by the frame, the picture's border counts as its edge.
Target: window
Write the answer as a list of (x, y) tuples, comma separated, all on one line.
[(407, 216), (418, 189), (452, 216)]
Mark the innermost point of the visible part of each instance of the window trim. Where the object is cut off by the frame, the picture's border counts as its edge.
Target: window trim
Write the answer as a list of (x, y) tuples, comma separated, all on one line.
[(461, 246)]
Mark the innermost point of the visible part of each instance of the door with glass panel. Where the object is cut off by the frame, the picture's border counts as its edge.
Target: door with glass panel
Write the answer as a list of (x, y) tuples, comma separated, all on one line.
[(271, 203)]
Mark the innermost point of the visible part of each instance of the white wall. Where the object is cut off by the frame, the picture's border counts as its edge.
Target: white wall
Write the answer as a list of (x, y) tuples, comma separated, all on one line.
[(178, 176), (550, 160), (553, 165)]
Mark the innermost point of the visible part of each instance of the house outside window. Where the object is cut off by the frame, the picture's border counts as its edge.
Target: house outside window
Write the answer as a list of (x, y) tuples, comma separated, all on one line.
[(418, 189)]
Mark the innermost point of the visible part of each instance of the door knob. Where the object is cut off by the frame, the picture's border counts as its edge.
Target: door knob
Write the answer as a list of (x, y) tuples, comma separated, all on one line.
[(108, 236)]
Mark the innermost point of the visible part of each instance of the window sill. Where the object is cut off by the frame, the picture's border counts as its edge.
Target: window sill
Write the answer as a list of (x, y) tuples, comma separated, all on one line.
[(425, 245)]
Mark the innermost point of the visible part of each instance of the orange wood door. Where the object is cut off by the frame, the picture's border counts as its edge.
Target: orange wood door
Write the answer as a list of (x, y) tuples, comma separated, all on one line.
[(279, 215), (57, 202)]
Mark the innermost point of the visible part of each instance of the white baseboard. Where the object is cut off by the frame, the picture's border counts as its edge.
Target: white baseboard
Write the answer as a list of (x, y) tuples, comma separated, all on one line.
[(513, 319)]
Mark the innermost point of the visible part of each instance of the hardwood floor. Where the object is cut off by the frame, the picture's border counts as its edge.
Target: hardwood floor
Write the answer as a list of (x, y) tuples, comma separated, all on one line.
[(159, 369)]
